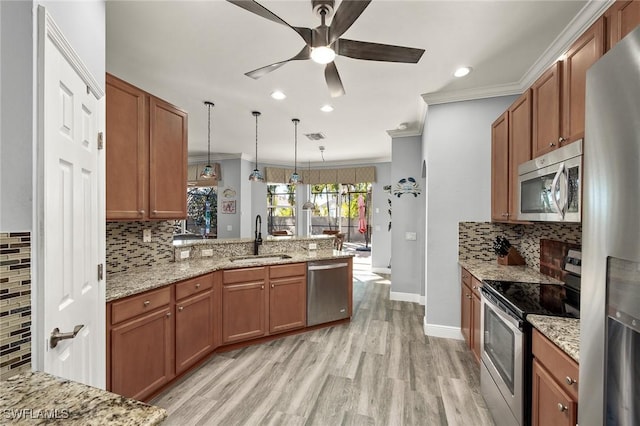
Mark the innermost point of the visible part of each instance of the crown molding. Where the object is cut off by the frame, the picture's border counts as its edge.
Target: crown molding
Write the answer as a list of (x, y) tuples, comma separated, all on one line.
[(574, 29), (397, 133)]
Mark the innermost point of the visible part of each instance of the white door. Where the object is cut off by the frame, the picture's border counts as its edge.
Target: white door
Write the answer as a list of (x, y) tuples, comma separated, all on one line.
[(71, 216)]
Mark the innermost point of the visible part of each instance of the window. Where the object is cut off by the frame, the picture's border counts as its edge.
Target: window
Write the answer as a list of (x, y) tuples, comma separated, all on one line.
[(202, 211), (337, 209), (281, 213)]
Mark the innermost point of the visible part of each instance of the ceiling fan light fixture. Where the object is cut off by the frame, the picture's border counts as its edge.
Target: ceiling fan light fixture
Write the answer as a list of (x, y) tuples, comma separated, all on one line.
[(208, 172), (322, 54), (462, 71), (278, 95), (326, 108)]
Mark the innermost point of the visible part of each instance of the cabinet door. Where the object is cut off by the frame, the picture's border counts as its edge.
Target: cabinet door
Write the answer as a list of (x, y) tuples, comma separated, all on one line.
[(476, 307), (195, 322), (546, 111), (519, 146), (580, 56), (287, 304), (243, 311), (126, 150), (500, 169), (621, 18), (142, 354), (465, 313), (551, 406), (168, 161)]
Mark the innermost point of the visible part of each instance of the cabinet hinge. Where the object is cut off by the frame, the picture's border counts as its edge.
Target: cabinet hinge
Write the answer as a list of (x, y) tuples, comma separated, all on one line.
[(100, 140), (100, 272)]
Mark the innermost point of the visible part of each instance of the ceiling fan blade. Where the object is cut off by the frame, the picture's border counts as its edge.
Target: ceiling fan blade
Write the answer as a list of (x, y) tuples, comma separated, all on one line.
[(305, 53), (377, 52), (333, 80), (345, 16), (255, 7)]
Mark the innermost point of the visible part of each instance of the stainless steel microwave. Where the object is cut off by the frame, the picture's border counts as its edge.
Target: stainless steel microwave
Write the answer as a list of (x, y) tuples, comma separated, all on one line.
[(550, 188)]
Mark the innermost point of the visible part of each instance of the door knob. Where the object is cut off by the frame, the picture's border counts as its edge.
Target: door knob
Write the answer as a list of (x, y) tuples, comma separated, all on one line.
[(56, 336)]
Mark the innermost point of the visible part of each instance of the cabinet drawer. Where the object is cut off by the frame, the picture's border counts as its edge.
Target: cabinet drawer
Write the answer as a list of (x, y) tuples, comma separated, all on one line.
[(466, 277), (244, 275), (193, 286), (293, 270), (560, 365), (137, 305)]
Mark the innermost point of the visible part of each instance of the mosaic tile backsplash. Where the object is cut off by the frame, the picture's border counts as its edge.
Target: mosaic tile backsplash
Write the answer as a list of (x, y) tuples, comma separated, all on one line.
[(475, 239), (15, 303), (125, 249)]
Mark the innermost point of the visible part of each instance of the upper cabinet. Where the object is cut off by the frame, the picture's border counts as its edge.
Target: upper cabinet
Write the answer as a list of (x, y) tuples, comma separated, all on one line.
[(620, 19), (500, 168), (580, 56), (546, 111), (146, 155)]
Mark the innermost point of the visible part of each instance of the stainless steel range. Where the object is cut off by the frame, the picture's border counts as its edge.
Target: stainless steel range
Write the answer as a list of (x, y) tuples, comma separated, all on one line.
[(505, 375)]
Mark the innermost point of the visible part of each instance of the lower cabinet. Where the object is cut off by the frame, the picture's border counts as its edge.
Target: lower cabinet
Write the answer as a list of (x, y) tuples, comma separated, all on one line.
[(470, 311), (287, 297), (195, 324), (555, 387)]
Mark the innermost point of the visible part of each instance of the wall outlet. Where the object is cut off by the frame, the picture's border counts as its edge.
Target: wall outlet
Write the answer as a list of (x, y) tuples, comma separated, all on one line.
[(410, 236), (229, 228), (146, 235), (206, 252), (313, 246), (184, 254)]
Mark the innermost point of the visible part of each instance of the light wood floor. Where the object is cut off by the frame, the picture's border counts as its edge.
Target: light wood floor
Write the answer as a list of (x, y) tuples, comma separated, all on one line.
[(378, 370)]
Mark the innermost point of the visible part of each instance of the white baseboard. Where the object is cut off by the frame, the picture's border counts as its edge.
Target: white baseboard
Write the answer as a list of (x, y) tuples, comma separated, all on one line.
[(406, 297), (445, 331), (381, 270)]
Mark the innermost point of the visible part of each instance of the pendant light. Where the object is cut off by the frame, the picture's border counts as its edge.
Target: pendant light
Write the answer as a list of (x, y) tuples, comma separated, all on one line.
[(208, 172), (309, 205), (256, 176), (295, 177)]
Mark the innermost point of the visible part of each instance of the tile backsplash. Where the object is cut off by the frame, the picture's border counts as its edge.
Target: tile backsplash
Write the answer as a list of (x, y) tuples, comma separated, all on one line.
[(475, 239), (15, 303), (125, 249)]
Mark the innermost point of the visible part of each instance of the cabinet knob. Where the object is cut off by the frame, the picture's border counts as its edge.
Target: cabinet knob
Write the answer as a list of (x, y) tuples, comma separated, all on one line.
[(154, 211), (475, 287), (168, 314), (561, 139), (180, 308), (505, 214), (561, 407), (197, 285), (552, 144), (146, 303), (468, 296), (262, 287), (570, 381), (273, 286), (141, 212)]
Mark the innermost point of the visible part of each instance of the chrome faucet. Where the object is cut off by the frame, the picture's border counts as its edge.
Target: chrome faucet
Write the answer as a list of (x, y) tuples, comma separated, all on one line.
[(258, 235)]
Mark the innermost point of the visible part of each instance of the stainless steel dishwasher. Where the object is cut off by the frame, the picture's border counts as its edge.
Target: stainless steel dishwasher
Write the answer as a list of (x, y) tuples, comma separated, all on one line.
[(327, 291)]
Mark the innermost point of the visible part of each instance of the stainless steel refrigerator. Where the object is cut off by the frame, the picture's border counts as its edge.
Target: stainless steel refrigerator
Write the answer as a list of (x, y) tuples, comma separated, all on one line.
[(609, 382)]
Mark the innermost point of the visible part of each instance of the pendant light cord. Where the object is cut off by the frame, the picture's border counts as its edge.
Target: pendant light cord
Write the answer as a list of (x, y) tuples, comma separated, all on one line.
[(256, 114), (295, 154), (209, 135)]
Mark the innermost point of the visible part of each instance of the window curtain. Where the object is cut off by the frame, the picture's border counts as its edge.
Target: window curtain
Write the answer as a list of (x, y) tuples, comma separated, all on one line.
[(321, 176)]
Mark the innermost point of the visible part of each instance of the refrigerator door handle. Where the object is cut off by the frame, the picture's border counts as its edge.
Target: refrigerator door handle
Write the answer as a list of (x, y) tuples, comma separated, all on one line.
[(554, 192)]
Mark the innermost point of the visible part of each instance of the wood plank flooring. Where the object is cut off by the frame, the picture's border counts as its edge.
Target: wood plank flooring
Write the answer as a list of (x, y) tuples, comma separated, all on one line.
[(378, 370)]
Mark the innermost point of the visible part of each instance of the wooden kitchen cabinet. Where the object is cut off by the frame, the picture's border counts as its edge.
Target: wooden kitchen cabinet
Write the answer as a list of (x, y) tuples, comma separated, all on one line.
[(555, 387), (545, 95), (195, 321), (470, 309), (620, 19), (287, 297), (244, 304), (500, 168), (142, 353), (146, 156), (579, 58)]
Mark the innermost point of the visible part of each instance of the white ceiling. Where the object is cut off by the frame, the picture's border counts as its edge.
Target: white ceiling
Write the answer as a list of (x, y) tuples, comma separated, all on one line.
[(190, 51)]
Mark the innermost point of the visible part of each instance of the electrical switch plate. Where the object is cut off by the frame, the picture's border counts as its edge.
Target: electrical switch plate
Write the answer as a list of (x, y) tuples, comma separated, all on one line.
[(206, 252), (146, 235), (377, 210), (229, 228), (313, 246), (184, 254), (410, 236)]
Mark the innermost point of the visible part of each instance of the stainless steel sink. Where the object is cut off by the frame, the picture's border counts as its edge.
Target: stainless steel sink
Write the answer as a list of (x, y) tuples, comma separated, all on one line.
[(259, 258)]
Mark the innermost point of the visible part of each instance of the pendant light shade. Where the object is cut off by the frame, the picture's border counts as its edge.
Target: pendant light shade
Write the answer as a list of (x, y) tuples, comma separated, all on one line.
[(256, 175), (295, 177), (208, 172)]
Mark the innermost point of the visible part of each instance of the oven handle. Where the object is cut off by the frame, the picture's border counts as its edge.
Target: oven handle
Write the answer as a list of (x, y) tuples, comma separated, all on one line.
[(514, 324), (554, 185)]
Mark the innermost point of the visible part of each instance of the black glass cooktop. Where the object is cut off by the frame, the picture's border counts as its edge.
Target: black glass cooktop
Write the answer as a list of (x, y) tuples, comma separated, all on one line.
[(534, 298)]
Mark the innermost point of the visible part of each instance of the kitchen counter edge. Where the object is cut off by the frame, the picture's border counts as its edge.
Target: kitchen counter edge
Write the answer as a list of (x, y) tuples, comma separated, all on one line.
[(124, 284), (563, 332), (487, 270)]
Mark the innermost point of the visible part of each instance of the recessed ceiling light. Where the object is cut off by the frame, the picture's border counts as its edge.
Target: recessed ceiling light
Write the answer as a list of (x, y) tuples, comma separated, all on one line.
[(462, 71), (326, 108), (278, 95)]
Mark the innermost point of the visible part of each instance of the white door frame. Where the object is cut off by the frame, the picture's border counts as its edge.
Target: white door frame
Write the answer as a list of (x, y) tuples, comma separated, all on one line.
[(47, 28)]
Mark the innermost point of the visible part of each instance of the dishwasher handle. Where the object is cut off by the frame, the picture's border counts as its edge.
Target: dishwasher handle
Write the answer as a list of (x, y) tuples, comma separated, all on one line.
[(325, 267)]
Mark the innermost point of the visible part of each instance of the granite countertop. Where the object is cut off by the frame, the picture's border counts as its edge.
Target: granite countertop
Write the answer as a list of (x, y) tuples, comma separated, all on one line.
[(40, 398), (563, 332), (268, 238), (139, 280), (485, 270)]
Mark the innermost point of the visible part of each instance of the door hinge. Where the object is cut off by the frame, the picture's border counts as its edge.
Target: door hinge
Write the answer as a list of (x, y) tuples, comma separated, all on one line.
[(100, 272), (100, 140)]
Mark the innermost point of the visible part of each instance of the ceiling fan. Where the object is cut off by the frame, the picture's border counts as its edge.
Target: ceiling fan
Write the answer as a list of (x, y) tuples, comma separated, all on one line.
[(324, 42)]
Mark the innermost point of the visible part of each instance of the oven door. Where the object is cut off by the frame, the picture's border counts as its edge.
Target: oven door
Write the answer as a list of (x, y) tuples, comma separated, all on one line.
[(502, 345)]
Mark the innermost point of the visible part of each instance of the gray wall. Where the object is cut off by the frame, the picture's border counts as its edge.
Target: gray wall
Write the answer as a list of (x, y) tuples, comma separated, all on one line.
[(245, 209), (231, 175), (408, 216), (380, 237), (16, 115), (457, 146)]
